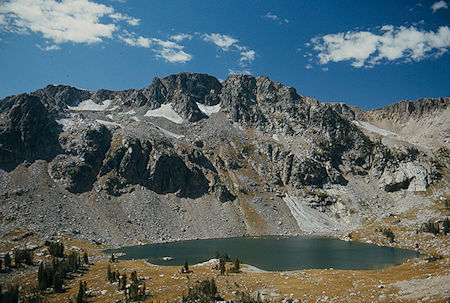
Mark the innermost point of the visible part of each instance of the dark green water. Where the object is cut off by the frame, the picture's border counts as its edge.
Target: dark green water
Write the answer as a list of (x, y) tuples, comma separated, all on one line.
[(275, 253)]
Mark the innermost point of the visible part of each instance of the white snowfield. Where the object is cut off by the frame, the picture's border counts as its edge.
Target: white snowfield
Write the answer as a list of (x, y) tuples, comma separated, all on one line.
[(309, 219), (208, 109), (165, 111), (372, 128), (89, 105)]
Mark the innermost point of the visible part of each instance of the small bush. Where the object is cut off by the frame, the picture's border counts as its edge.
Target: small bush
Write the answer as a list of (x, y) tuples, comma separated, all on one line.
[(387, 232), (433, 258)]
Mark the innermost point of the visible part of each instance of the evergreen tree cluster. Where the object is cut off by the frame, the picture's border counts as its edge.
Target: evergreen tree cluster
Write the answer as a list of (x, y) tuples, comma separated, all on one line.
[(223, 259), (20, 256), (202, 291), (434, 228), (136, 290), (56, 249), (11, 295), (23, 256), (53, 274), (236, 266)]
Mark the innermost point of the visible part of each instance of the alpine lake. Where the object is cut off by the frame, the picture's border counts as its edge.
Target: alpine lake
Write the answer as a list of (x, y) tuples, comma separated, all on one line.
[(273, 253)]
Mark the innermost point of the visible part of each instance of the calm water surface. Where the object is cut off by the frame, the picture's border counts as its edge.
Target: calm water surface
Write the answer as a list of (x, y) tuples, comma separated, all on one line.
[(275, 253)]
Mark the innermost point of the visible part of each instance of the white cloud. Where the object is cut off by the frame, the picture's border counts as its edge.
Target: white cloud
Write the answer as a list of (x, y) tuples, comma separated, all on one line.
[(366, 49), (247, 56), (222, 41), (48, 47), (275, 18), (227, 43), (171, 51), (181, 37), (238, 72), (75, 21), (130, 20), (168, 50), (439, 5), (133, 40), (308, 66)]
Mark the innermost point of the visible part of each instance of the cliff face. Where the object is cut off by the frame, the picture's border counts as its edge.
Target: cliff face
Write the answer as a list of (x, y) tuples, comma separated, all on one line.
[(190, 157)]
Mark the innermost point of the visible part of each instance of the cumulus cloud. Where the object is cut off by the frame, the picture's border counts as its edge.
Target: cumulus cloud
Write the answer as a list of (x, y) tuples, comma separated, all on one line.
[(132, 39), (389, 43), (439, 5), (130, 20), (220, 40), (171, 51), (247, 56), (168, 50), (75, 21), (81, 21), (181, 37), (227, 43), (275, 18)]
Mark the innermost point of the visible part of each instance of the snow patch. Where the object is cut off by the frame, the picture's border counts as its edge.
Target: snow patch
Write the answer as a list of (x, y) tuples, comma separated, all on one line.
[(372, 128), (134, 118), (275, 137), (89, 105), (113, 108), (165, 111), (310, 220), (110, 117), (107, 123), (208, 109), (66, 123)]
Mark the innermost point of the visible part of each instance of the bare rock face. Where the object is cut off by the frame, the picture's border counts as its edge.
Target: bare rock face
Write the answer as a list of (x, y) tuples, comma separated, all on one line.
[(28, 132), (170, 174), (409, 176), (78, 167)]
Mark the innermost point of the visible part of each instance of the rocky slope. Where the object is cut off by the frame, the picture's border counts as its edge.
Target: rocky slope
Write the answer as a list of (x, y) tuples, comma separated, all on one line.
[(190, 157)]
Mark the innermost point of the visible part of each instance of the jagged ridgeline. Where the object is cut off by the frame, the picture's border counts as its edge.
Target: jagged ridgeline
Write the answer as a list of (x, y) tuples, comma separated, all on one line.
[(189, 156)]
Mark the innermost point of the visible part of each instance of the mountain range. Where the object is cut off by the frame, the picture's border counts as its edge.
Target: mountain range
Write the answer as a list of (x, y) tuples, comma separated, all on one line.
[(192, 157)]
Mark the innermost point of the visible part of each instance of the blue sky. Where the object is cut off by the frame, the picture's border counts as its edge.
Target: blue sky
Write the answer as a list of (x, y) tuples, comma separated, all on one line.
[(363, 53)]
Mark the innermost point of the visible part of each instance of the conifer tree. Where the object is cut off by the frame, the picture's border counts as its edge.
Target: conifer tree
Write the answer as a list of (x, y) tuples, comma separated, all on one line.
[(236, 264), (81, 295), (109, 275), (185, 266), (133, 277), (57, 282), (7, 261), (446, 226), (85, 258), (222, 265)]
